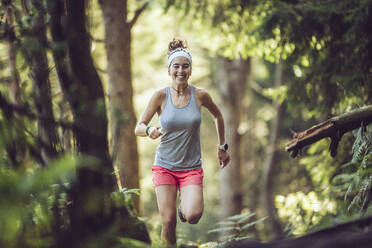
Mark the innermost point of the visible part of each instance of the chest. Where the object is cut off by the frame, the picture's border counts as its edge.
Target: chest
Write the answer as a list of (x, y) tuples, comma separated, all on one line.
[(180, 114), (180, 101)]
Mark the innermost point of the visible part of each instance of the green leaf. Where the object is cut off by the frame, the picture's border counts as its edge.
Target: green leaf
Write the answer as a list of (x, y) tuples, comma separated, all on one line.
[(130, 191), (226, 223), (243, 238), (236, 217), (224, 229), (349, 190), (246, 226), (245, 218)]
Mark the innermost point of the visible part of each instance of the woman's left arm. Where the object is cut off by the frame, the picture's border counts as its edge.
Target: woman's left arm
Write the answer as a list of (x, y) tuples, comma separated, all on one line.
[(207, 102)]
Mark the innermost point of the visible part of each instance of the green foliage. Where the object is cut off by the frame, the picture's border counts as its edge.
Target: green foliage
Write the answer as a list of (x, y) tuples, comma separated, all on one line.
[(124, 198), (355, 177), (301, 212), (132, 243), (31, 203), (236, 227), (227, 23), (326, 43), (331, 41), (342, 185)]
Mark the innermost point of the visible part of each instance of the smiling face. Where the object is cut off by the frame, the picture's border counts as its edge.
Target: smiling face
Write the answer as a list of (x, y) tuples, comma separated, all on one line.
[(180, 70)]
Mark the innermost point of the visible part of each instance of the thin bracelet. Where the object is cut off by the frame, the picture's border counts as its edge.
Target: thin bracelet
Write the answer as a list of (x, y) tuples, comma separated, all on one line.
[(147, 130)]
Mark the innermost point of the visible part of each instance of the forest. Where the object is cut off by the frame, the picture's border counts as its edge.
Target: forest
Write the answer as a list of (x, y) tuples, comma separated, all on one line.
[(293, 79)]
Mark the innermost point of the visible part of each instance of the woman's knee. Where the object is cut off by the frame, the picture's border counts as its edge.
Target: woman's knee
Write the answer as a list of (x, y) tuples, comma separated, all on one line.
[(193, 217)]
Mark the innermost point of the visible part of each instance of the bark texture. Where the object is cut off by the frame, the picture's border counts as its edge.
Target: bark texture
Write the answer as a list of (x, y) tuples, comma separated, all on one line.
[(252, 169), (232, 80), (271, 158), (15, 151), (333, 128), (93, 210), (37, 58), (120, 91), (14, 88)]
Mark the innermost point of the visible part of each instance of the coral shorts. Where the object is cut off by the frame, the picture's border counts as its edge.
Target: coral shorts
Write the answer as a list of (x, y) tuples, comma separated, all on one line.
[(161, 176)]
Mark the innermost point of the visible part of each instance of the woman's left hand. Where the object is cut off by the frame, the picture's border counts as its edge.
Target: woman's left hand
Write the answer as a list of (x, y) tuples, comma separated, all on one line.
[(223, 158)]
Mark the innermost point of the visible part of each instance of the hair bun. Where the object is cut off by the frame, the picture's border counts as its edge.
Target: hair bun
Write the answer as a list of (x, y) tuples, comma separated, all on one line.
[(176, 43)]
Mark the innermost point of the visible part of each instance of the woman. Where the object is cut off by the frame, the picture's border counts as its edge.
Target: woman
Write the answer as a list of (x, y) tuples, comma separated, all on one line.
[(178, 159)]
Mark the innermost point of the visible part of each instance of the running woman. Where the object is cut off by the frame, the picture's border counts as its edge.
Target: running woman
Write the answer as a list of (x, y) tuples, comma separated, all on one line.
[(178, 163)]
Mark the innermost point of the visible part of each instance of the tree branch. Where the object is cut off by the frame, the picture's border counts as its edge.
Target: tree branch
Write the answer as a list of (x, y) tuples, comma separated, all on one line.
[(137, 14), (334, 128)]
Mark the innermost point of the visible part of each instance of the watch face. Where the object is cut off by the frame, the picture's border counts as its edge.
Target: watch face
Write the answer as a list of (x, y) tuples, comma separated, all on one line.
[(226, 146)]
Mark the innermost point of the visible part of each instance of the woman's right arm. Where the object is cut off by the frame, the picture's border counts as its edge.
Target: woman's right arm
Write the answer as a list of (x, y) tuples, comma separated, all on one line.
[(154, 106)]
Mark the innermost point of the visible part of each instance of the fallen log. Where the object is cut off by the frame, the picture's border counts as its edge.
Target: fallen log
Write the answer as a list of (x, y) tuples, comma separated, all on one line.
[(333, 128), (356, 233)]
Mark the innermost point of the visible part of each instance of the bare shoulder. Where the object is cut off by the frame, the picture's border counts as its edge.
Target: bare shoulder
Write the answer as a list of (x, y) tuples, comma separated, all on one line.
[(159, 95), (202, 95)]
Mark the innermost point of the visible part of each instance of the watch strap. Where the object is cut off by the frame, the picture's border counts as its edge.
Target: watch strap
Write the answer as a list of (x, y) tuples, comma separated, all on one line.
[(223, 147), (147, 130)]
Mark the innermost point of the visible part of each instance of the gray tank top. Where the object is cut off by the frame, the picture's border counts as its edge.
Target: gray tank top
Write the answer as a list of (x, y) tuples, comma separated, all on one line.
[(179, 147)]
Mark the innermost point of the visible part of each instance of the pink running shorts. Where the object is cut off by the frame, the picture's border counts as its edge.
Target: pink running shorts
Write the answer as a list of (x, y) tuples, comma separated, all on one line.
[(161, 176)]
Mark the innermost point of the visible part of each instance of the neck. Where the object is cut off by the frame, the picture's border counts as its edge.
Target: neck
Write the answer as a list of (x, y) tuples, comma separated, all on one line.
[(180, 89)]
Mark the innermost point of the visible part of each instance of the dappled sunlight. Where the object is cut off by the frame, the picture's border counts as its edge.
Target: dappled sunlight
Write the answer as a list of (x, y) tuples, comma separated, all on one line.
[(302, 211)]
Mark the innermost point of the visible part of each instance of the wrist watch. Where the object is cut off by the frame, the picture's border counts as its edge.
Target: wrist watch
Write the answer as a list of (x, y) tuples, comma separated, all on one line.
[(223, 147)]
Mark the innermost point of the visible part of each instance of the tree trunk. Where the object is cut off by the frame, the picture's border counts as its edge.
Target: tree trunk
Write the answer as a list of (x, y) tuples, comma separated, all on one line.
[(232, 81), (120, 92), (251, 171), (14, 81), (66, 133), (271, 158), (15, 151), (37, 58), (92, 210)]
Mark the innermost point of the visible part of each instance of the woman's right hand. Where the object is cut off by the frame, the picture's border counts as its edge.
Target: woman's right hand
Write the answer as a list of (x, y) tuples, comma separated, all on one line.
[(155, 132)]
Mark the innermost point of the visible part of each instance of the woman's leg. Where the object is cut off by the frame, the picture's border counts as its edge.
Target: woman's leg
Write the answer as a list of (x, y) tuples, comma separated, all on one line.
[(166, 196), (192, 203)]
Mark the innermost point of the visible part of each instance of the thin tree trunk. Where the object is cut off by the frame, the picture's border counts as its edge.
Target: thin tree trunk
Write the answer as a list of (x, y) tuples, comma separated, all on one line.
[(66, 79), (14, 88), (14, 150), (271, 158), (120, 91), (38, 60), (232, 81), (251, 172), (66, 133)]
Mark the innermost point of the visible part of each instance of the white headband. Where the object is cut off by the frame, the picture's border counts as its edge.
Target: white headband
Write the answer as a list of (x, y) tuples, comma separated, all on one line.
[(179, 53)]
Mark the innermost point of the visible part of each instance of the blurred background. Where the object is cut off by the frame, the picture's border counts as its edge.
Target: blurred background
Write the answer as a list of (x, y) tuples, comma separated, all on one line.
[(274, 68)]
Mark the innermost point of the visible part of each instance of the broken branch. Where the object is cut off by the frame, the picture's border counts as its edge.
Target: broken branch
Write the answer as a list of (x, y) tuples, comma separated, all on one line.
[(333, 128)]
